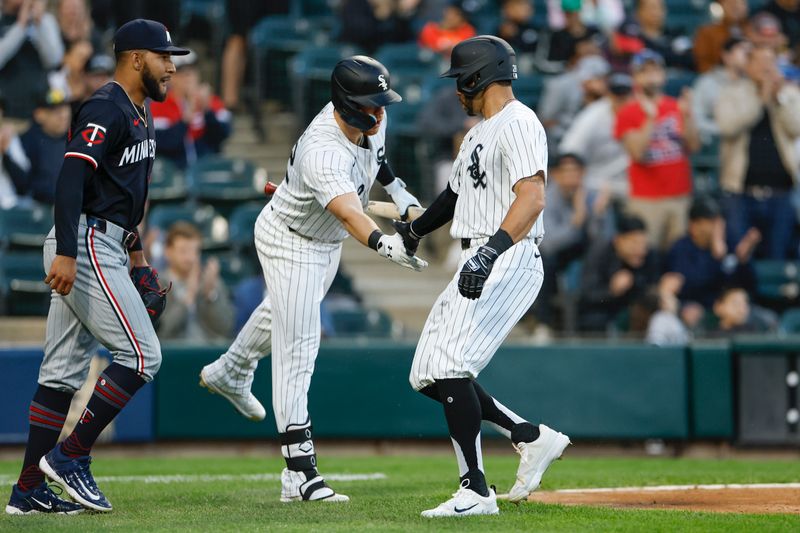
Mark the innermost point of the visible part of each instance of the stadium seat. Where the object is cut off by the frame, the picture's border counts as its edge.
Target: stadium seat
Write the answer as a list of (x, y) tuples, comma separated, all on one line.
[(222, 181), (235, 267), (677, 80), (167, 183), (311, 74), (241, 224), (790, 322), (25, 227), (362, 323), (312, 8), (22, 291), (778, 281), (211, 224), (528, 90), (273, 42)]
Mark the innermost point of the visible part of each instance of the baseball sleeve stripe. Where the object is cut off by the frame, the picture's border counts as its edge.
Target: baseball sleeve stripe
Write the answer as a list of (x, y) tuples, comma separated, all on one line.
[(85, 157)]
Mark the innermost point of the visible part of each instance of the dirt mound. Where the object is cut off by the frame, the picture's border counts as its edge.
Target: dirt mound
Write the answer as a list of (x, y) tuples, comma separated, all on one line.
[(758, 499)]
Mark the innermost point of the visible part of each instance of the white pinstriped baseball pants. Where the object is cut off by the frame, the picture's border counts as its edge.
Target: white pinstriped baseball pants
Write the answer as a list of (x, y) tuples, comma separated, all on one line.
[(103, 306), (298, 272), (461, 336)]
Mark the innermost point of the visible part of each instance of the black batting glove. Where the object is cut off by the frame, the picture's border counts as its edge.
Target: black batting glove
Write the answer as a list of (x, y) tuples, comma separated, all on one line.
[(475, 271), (410, 240)]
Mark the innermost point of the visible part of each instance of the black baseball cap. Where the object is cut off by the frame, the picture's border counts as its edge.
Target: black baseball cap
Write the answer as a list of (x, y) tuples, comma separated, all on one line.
[(704, 207), (143, 34)]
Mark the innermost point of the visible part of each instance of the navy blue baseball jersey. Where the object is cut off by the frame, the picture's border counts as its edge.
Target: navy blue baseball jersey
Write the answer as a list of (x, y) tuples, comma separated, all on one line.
[(119, 143)]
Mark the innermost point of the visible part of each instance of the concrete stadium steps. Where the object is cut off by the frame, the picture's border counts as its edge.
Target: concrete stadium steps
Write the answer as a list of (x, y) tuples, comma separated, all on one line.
[(271, 154)]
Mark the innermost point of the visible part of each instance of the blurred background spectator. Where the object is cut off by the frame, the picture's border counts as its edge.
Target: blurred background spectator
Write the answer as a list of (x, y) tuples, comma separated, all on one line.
[(711, 38), (732, 313), (242, 16), (563, 41), (658, 132), (14, 164), (44, 144), (517, 27), (443, 35), (605, 15), (700, 264), (646, 29), (30, 45), (369, 24), (573, 218), (566, 94), (76, 24), (591, 136), (707, 87), (618, 273), (759, 120), (787, 13), (199, 307), (192, 121)]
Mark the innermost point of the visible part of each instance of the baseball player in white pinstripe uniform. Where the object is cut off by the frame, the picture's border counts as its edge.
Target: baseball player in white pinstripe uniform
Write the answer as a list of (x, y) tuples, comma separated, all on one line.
[(299, 238), (495, 198)]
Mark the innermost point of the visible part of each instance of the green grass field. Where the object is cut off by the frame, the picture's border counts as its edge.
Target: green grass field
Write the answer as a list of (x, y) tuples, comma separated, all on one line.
[(393, 503)]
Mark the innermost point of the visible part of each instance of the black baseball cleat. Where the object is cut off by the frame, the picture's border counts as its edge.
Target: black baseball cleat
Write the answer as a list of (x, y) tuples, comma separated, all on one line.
[(73, 474), (42, 499)]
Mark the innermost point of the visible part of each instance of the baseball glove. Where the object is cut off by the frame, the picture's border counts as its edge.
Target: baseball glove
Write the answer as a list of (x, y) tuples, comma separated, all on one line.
[(145, 279)]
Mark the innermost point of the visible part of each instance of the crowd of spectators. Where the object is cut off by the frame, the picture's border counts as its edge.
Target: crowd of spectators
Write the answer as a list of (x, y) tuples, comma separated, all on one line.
[(628, 98)]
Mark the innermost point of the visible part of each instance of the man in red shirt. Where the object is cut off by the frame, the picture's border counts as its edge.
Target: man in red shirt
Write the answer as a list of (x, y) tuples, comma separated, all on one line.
[(454, 27), (658, 132), (192, 121)]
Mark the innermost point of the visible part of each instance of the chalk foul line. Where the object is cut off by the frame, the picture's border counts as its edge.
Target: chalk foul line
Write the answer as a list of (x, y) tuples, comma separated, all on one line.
[(210, 478)]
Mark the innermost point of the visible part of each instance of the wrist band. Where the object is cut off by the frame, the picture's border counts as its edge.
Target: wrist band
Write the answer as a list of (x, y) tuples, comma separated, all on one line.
[(374, 237), (500, 241)]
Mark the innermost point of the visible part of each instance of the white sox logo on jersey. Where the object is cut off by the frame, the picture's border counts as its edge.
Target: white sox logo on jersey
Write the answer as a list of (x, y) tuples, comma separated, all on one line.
[(93, 134), (478, 177), (382, 82)]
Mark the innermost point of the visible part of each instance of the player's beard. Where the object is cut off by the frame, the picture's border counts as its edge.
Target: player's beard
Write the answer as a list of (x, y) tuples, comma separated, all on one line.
[(469, 105), (151, 86)]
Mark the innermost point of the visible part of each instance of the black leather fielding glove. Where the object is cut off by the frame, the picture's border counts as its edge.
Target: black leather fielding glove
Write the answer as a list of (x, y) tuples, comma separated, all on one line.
[(475, 271), (410, 241)]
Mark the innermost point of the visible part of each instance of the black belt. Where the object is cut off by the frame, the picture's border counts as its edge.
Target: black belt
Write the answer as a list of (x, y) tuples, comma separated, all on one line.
[(466, 243), (101, 225)]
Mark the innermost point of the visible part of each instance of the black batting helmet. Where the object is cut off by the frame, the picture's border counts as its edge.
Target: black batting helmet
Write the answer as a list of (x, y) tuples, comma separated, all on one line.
[(361, 81), (479, 61)]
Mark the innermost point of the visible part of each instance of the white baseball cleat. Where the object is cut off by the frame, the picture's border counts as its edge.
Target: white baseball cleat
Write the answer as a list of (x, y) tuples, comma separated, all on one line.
[(535, 459), (465, 502), (244, 402), (295, 488)]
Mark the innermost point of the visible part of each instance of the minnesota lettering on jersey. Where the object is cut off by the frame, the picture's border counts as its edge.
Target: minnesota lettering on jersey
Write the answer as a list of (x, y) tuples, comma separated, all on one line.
[(138, 152)]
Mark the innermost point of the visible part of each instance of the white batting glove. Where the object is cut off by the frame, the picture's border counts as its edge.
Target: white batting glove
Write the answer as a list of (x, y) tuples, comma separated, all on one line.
[(401, 197), (392, 248)]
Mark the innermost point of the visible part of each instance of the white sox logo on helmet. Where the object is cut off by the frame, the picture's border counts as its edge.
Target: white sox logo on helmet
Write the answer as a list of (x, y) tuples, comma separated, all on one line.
[(382, 82)]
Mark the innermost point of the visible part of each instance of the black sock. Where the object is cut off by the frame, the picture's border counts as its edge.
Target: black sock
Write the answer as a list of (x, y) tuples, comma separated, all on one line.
[(490, 411), (47, 413), (463, 413), (114, 388), (520, 430)]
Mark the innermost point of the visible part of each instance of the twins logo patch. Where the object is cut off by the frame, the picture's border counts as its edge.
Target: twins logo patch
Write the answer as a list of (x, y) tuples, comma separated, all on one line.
[(87, 416), (93, 134), (478, 177)]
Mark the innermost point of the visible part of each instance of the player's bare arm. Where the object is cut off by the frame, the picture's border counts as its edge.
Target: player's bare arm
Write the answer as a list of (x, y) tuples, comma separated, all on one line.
[(347, 208), (526, 207)]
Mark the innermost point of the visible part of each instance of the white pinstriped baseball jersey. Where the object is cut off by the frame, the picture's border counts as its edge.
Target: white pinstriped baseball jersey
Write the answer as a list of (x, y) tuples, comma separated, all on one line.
[(325, 164), (495, 154)]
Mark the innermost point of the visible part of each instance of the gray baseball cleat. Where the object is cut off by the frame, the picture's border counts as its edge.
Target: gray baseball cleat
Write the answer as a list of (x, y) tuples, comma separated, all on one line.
[(244, 401)]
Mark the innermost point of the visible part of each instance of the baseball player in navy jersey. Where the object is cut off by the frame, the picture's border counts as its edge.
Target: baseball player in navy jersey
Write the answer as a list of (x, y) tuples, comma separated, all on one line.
[(100, 199), (495, 197), (299, 238)]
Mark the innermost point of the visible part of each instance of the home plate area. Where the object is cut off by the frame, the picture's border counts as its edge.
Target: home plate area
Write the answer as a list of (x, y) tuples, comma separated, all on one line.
[(758, 498)]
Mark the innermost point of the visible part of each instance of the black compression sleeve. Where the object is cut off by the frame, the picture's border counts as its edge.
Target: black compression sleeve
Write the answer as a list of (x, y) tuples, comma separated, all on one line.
[(385, 173), (437, 215), (69, 201)]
